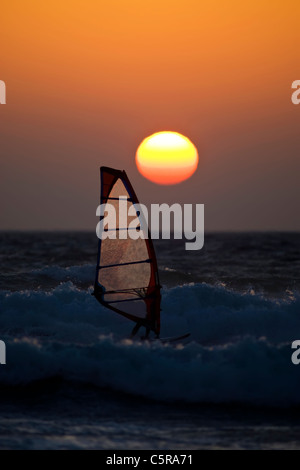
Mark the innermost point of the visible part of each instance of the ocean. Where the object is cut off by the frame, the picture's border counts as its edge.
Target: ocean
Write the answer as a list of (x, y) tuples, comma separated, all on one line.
[(74, 380)]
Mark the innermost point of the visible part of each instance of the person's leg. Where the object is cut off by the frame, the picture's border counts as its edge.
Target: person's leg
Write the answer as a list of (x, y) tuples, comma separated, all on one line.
[(135, 329), (147, 333)]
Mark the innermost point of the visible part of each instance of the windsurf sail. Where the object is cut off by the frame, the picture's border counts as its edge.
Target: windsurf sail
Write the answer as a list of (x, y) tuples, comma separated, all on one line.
[(127, 279)]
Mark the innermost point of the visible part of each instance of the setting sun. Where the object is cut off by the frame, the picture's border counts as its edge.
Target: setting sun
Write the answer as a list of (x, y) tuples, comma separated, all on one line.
[(166, 158)]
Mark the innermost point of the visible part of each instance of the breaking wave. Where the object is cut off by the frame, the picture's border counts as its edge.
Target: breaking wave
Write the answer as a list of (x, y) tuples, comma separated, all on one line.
[(239, 349)]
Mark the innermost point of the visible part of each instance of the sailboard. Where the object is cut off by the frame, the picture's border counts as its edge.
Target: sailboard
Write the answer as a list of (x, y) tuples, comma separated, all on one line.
[(127, 280), (173, 339)]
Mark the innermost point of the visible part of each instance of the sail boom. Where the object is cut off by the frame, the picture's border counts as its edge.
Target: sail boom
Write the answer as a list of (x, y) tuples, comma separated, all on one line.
[(127, 300)]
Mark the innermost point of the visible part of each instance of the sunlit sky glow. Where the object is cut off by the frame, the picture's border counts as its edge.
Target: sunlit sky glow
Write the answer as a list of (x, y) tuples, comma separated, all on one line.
[(88, 80)]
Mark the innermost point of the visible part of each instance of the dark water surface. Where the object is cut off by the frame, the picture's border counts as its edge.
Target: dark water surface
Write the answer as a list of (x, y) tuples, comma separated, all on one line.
[(74, 380)]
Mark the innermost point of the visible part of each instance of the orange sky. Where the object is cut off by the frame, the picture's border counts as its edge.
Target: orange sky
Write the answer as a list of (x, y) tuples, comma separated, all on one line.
[(88, 80)]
